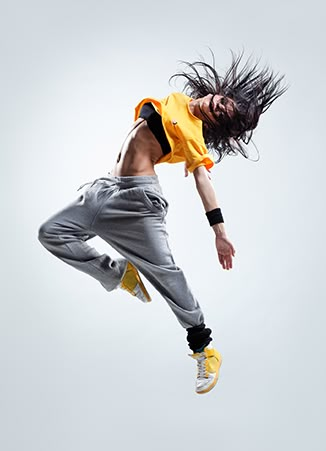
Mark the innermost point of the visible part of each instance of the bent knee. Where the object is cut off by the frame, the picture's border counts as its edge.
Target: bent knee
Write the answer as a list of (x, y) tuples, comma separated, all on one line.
[(45, 231)]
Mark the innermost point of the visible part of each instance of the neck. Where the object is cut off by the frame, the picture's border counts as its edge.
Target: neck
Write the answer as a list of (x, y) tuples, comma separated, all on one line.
[(194, 108)]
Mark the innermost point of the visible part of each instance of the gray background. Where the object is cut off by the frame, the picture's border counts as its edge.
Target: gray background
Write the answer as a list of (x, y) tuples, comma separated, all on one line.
[(82, 369)]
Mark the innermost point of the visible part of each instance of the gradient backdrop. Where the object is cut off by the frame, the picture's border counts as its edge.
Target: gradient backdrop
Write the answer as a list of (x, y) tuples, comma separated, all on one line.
[(85, 370)]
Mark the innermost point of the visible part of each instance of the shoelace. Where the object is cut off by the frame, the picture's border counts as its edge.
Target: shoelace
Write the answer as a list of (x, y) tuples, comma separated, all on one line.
[(201, 360)]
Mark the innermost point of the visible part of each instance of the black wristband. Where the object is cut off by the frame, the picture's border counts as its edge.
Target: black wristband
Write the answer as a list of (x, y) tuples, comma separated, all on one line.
[(214, 216)]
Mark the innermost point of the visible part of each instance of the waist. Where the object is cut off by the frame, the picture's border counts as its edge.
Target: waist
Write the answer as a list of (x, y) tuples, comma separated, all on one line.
[(129, 181), (133, 180)]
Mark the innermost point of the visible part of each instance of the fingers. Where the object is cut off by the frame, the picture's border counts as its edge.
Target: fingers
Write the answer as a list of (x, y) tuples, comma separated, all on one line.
[(225, 261), (231, 249), (225, 251), (221, 260)]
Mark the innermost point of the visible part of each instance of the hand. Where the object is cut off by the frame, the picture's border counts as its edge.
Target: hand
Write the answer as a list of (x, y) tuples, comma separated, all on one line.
[(186, 170), (225, 251)]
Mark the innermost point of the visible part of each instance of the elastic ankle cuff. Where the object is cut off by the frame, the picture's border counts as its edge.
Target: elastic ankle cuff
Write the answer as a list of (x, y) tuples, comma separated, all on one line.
[(198, 337)]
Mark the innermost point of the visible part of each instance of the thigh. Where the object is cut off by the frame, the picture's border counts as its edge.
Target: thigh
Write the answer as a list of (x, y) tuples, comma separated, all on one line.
[(134, 226), (75, 219), (147, 240)]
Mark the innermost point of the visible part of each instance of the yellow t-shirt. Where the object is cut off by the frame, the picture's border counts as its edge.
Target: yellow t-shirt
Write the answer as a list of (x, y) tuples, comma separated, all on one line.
[(183, 131)]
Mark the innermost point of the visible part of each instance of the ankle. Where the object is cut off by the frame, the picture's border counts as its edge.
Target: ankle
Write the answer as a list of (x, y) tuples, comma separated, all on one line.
[(209, 346)]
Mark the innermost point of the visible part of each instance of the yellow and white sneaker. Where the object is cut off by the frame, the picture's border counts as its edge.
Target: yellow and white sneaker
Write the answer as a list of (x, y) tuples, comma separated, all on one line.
[(132, 283), (208, 365)]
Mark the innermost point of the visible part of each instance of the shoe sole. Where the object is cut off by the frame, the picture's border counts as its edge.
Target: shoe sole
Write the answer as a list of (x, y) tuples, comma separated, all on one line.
[(202, 392), (140, 283), (142, 286)]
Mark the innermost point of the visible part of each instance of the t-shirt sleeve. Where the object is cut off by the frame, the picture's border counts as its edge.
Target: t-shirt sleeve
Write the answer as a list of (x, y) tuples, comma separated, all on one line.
[(196, 155)]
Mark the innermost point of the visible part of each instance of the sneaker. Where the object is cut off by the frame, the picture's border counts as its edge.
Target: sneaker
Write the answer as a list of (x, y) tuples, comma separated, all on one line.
[(208, 365), (132, 283)]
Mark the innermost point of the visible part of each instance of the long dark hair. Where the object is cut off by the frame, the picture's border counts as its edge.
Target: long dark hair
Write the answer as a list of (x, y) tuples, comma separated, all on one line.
[(252, 91)]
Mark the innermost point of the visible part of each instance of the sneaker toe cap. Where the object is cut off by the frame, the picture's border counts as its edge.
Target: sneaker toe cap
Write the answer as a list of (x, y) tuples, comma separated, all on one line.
[(203, 385)]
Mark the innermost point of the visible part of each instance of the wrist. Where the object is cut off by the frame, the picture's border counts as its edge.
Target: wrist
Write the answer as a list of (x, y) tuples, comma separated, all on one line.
[(219, 229), (214, 216)]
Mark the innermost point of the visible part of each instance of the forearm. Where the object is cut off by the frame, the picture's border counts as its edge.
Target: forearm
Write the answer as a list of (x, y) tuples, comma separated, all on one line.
[(207, 194), (224, 247)]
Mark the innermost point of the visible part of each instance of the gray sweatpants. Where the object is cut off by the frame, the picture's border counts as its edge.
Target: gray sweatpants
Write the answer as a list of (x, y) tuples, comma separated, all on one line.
[(129, 214)]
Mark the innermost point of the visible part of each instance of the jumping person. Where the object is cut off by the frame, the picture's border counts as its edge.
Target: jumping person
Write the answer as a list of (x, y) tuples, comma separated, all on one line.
[(214, 115)]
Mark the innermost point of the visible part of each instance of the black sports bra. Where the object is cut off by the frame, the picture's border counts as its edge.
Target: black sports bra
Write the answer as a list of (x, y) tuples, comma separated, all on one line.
[(154, 121)]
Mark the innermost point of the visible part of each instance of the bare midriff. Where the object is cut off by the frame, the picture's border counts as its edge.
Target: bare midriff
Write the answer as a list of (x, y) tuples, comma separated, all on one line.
[(139, 152)]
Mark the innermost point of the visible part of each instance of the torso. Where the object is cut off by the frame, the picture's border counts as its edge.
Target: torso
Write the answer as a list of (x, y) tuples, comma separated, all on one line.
[(139, 152)]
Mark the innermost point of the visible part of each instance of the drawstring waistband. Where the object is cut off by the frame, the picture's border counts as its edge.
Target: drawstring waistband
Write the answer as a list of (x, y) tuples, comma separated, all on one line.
[(92, 183), (126, 181)]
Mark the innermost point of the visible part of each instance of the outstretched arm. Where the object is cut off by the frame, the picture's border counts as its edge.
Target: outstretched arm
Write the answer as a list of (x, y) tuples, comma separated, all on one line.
[(224, 247)]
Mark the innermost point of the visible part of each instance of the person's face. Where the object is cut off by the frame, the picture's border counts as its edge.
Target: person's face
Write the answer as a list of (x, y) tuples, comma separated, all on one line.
[(214, 105)]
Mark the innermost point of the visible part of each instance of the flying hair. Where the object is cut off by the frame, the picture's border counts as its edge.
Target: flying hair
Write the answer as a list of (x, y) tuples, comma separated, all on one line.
[(252, 91)]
